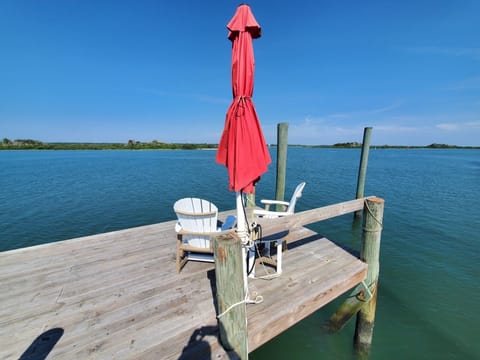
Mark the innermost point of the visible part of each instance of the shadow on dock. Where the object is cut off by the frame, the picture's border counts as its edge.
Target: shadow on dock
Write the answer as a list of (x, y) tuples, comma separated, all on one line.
[(319, 237), (213, 287), (198, 346), (42, 345)]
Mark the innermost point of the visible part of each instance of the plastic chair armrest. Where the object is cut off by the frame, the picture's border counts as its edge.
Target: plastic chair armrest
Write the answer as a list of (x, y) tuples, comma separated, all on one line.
[(270, 214), (274, 202)]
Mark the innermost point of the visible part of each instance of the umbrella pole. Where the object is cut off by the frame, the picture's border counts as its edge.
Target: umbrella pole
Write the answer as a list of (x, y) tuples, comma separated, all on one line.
[(243, 235)]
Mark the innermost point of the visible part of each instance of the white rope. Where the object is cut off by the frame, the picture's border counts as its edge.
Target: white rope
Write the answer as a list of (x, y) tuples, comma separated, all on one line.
[(258, 299), (268, 276), (374, 218)]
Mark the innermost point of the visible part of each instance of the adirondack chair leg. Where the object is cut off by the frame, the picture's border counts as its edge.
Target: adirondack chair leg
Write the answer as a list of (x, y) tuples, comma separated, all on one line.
[(182, 256)]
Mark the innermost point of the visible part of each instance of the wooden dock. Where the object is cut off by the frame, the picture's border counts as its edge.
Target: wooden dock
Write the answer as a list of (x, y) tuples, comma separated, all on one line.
[(118, 295)]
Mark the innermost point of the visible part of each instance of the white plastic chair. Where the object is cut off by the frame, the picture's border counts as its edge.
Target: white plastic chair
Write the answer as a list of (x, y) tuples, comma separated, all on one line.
[(197, 224), (288, 206), (288, 209)]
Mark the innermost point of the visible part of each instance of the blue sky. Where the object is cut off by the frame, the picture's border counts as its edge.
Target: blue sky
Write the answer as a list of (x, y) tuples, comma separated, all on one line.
[(110, 71)]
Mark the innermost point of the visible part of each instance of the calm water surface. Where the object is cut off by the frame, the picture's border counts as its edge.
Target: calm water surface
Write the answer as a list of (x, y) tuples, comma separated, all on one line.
[(429, 271)]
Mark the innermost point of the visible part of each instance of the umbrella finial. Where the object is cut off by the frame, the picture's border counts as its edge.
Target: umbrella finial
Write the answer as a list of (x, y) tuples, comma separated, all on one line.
[(242, 21)]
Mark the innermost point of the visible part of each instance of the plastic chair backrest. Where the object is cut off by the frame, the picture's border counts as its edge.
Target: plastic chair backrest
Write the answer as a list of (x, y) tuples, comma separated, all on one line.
[(296, 194)]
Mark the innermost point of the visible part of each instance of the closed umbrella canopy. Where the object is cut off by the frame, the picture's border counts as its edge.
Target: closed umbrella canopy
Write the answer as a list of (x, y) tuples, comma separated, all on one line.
[(242, 148)]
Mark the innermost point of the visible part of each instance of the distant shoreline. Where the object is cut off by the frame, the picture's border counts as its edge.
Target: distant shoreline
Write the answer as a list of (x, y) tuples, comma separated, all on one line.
[(28, 144)]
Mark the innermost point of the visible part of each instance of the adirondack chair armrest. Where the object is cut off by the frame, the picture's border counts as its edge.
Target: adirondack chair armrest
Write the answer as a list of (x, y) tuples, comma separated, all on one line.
[(210, 234), (196, 214)]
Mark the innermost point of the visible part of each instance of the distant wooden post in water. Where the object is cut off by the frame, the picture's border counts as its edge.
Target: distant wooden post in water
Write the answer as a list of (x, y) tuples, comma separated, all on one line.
[(282, 145), (362, 170), (232, 313)]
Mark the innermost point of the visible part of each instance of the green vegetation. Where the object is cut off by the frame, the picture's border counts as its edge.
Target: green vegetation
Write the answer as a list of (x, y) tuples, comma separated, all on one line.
[(355, 145), (28, 144), (442, 146), (348, 145)]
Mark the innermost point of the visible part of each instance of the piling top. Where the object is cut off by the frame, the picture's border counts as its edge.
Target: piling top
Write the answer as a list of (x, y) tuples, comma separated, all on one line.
[(376, 199)]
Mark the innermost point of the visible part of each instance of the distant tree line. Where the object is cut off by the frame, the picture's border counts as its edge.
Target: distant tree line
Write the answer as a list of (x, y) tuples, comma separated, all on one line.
[(28, 144), (348, 145), (354, 145), (431, 146)]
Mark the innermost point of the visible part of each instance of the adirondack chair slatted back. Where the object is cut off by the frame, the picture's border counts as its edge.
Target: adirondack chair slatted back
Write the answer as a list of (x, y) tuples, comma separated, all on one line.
[(196, 216), (296, 194)]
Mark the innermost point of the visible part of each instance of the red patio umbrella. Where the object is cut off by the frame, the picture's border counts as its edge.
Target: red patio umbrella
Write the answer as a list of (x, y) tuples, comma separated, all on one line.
[(242, 147)]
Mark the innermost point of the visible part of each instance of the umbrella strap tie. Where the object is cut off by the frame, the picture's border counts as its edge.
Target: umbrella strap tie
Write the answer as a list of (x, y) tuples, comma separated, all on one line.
[(243, 98), (258, 299), (241, 104)]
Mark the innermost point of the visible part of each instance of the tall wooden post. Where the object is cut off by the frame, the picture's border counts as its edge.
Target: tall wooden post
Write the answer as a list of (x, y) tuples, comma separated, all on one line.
[(370, 253), (282, 144), (232, 314), (250, 200), (362, 170)]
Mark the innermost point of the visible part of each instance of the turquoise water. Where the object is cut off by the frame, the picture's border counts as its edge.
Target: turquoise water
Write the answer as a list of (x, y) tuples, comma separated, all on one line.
[(428, 304)]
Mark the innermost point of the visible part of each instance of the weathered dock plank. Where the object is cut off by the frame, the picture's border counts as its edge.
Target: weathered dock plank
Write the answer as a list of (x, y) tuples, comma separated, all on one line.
[(314, 274), (118, 295)]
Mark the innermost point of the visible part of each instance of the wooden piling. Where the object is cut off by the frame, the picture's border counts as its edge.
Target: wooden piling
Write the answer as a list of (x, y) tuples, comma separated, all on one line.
[(359, 297), (362, 170), (370, 253), (232, 315), (250, 200), (282, 144), (353, 303)]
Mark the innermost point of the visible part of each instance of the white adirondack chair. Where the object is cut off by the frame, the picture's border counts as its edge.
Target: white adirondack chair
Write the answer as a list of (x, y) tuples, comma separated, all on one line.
[(197, 223), (288, 209)]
